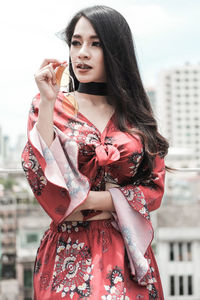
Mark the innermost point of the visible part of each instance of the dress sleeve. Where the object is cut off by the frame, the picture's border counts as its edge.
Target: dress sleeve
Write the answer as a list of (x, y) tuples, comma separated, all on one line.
[(53, 172), (146, 196), (133, 202)]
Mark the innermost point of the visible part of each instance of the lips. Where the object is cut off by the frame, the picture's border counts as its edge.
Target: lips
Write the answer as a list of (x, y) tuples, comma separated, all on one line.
[(83, 66)]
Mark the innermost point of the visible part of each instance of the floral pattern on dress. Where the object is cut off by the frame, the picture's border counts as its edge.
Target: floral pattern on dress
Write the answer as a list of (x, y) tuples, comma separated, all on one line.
[(73, 226), (116, 289), (135, 159), (72, 269), (136, 199), (37, 266), (36, 178), (153, 294)]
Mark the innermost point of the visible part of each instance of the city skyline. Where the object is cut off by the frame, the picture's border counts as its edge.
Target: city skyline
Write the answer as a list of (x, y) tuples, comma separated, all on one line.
[(165, 35)]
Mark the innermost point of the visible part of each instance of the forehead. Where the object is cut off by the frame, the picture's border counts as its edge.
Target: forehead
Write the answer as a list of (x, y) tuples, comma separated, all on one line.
[(84, 28)]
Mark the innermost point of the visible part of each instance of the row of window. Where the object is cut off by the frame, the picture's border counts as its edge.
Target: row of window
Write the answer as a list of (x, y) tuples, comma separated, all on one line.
[(186, 95), (187, 71), (181, 285), (186, 87), (186, 111), (183, 79), (188, 126), (181, 93), (180, 251), (188, 119)]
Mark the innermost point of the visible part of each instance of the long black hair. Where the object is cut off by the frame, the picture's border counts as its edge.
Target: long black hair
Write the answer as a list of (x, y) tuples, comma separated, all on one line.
[(125, 89)]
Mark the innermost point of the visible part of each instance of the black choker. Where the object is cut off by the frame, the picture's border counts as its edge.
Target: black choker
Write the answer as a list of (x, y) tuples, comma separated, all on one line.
[(93, 88)]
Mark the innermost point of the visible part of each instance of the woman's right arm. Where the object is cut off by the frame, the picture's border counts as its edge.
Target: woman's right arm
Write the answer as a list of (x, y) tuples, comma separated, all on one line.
[(45, 79)]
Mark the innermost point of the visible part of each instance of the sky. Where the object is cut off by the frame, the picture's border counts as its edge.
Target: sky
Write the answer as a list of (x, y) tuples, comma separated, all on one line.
[(166, 34)]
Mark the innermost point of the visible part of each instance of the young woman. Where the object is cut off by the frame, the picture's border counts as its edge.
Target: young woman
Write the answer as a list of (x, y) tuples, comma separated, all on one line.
[(97, 173)]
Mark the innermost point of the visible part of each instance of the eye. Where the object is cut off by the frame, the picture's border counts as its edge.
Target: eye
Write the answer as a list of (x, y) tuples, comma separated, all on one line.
[(75, 43), (96, 44)]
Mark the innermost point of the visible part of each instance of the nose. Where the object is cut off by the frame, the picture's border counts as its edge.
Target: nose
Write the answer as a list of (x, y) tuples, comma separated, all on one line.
[(84, 51)]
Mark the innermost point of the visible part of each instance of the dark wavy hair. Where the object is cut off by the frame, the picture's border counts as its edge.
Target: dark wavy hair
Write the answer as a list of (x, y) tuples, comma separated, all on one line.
[(125, 89)]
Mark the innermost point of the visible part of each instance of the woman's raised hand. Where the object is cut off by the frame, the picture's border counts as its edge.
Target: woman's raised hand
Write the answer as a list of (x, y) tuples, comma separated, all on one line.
[(45, 79)]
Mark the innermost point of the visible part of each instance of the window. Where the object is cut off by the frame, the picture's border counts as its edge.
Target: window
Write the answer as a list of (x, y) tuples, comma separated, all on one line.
[(171, 252), (180, 251), (172, 284), (190, 287), (27, 278), (181, 285), (32, 238)]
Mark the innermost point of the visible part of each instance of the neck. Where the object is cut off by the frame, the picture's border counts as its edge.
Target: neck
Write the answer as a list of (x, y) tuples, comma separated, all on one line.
[(93, 100)]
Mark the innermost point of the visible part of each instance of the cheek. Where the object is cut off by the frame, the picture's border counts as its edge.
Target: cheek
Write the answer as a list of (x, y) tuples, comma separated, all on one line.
[(101, 60), (73, 59)]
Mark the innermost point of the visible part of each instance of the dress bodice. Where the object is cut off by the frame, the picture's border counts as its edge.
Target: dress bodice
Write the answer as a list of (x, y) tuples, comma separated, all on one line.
[(112, 155)]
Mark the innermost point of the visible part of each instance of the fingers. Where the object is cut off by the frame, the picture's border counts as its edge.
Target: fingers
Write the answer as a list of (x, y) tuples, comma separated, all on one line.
[(50, 64), (50, 71), (46, 74), (54, 62)]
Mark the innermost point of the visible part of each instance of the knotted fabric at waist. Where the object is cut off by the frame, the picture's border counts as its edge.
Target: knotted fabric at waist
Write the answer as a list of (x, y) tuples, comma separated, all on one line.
[(106, 154)]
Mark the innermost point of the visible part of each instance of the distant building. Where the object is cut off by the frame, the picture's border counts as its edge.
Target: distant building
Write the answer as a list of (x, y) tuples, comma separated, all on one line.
[(22, 224), (17, 150), (8, 226), (178, 237), (1, 147), (178, 109), (151, 92), (30, 230)]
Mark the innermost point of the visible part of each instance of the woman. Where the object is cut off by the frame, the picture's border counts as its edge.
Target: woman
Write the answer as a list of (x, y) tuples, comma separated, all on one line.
[(97, 173)]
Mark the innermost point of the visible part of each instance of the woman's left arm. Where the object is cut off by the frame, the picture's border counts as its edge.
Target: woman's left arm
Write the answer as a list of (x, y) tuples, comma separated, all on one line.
[(143, 197), (99, 201)]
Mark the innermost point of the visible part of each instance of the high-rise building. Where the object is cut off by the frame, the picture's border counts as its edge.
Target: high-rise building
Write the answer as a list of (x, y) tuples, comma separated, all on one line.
[(178, 110), (1, 147), (151, 92)]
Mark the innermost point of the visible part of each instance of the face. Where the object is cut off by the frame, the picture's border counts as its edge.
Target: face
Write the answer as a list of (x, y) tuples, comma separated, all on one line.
[(86, 53)]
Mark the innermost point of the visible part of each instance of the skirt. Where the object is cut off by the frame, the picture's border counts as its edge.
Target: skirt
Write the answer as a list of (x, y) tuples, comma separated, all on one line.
[(87, 260)]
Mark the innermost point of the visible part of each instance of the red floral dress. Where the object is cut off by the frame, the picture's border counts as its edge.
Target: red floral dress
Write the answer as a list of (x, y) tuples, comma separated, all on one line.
[(104, 259)]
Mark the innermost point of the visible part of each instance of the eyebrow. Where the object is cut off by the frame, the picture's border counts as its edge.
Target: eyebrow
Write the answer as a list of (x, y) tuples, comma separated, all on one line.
[(78, 36)]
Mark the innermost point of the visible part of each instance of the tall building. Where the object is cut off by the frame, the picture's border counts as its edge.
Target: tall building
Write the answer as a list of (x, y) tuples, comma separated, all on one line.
[(178, 110), (8, 226), (22, 223), (1, 147), (151, 92)]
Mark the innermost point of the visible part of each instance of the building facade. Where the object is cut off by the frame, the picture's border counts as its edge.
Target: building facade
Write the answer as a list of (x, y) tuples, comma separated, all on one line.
[(178, 237), (178, 110)]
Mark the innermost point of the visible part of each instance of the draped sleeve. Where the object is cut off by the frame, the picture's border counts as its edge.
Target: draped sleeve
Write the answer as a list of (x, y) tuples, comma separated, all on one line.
[(53, 172), (133, 202)]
